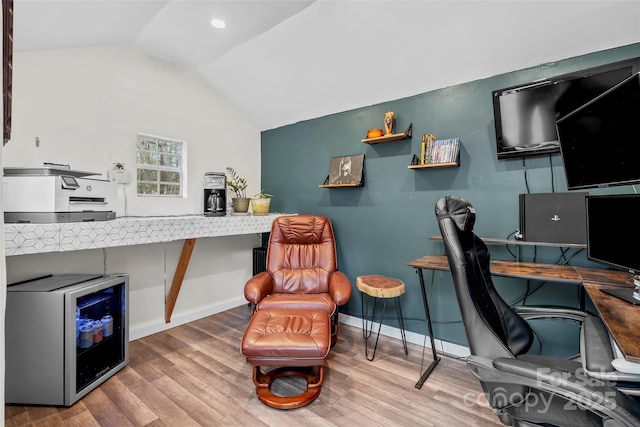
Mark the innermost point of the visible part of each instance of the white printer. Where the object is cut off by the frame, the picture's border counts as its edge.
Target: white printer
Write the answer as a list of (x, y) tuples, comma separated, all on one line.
[(56, 194)]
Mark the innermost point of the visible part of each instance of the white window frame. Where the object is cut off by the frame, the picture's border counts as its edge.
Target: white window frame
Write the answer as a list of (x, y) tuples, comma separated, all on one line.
[(182, 192)]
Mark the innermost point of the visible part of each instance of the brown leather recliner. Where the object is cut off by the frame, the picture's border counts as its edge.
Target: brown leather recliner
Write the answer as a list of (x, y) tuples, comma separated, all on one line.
[(301, 269)]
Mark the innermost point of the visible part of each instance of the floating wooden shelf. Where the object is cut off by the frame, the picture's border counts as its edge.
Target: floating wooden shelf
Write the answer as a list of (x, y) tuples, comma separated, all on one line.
[(435, 165), (340, 185), (390, 137)]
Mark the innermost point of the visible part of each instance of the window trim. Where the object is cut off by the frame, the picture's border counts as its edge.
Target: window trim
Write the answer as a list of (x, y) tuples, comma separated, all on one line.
[(181, 170)]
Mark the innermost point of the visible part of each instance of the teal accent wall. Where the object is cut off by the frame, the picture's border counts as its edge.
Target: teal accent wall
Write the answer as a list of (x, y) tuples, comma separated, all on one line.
[(387, 223)]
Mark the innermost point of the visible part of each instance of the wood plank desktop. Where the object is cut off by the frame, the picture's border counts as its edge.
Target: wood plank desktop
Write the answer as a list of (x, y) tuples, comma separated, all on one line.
[(621, 318), (536, 271), (523, 270), (605, 277)]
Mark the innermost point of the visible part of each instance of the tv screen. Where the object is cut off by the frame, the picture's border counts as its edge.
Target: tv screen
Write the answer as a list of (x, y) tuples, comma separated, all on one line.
[(604, 242), (600, 141), (525, 116)]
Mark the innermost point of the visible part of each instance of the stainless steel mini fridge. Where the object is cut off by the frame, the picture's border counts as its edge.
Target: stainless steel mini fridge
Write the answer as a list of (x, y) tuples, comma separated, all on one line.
[(65, 335)]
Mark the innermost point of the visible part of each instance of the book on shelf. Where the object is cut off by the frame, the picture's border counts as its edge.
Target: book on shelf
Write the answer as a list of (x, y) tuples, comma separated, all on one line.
[(427, 140), (440, 150)]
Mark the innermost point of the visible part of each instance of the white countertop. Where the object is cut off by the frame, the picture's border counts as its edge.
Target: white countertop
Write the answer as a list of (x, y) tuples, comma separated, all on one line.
[(22, 239)]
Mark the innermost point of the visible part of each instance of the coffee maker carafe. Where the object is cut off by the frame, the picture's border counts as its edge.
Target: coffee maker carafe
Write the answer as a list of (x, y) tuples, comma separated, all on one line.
[(215, 194)]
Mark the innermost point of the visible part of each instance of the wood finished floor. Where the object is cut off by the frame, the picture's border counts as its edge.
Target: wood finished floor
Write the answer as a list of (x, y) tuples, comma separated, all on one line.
[(194, 375)]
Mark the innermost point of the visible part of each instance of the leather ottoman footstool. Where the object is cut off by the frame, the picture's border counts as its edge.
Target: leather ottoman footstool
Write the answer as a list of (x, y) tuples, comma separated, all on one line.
[(297, 342)]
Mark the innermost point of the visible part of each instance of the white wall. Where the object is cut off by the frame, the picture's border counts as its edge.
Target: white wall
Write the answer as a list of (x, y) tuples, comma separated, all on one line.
[(86, 105)]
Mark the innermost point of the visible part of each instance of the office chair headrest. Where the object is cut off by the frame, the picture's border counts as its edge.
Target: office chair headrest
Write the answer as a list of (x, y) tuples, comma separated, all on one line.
[(459, 210)]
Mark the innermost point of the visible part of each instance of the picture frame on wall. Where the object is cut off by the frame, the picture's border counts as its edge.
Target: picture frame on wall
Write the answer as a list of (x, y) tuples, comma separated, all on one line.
[(346, 170)]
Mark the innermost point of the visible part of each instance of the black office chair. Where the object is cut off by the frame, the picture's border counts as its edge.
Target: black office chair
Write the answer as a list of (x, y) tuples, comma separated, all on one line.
[(527, 389)]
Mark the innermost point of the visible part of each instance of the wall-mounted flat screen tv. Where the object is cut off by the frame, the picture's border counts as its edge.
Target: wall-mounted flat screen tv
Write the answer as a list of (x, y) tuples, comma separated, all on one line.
[(603, 242), (525, 116), (600, 141)]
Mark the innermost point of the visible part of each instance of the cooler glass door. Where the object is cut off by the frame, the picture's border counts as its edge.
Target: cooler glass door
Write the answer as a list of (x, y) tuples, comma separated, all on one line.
[(97, 331)]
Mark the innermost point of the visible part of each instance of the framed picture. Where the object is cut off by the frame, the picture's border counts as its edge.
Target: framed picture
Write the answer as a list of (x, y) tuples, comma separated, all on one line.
[(346, 170)]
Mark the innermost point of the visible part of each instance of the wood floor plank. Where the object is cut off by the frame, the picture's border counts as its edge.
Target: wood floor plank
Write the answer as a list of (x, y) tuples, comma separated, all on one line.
[(387, 412), (127, 402), (195, 375), (216, 396), (104, 411)]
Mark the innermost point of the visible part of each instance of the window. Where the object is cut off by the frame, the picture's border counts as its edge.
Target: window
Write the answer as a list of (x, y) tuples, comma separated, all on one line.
[(160, 163)]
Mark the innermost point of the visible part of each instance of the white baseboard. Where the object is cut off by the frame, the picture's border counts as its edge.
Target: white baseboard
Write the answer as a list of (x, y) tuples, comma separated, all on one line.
[(442, 347), (182, 318)]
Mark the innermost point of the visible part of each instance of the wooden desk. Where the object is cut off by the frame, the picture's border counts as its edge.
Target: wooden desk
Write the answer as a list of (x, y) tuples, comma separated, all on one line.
[(620, 317), (523, 270)]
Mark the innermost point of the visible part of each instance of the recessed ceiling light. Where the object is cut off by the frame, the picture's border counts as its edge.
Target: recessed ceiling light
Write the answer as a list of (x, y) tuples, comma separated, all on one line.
[(218, 23)]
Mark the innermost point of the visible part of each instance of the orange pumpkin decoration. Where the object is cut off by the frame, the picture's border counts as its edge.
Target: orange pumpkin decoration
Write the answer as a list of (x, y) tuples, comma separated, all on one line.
[(374, 133)]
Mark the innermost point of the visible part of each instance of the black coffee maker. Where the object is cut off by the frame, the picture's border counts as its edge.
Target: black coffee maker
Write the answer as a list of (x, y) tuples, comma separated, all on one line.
[(215, 194)]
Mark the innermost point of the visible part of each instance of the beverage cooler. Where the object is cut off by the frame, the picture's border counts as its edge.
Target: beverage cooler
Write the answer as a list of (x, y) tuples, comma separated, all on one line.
[(65, 335)]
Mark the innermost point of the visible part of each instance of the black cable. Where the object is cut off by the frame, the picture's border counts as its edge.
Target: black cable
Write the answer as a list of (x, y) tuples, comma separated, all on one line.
[(572, 256), (530, 292), (507, 245), (524, 170), (526, 292), (553, 190), (563, 255)]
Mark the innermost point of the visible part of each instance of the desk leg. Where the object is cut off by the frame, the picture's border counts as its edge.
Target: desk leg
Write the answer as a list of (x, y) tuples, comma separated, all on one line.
[(178, 277), (581, 297), (436, 358)]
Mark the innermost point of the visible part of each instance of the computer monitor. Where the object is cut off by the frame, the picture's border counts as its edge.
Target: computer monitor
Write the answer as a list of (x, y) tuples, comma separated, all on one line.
[(612, 236), (525, 115), (613, 230), (600, 141)]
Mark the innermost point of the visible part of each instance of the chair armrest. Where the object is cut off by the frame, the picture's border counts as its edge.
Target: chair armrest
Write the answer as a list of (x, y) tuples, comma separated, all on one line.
[(258, 287), (529, 312), (583, 391), (340, 288), (556, 363)]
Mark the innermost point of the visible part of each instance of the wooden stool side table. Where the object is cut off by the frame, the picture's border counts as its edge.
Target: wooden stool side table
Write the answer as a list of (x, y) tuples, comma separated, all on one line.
[(378, 288)]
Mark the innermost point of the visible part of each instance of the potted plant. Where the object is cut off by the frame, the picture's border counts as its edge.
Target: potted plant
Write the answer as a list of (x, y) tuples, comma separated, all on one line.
[(238, 185), (260, 203)]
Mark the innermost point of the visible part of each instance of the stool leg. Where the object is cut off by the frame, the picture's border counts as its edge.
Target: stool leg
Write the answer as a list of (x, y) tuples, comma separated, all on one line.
[(368, 326), (364, 316), (401, 320)]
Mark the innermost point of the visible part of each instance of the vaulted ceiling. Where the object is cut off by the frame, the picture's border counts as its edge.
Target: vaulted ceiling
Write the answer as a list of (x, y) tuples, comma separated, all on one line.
[(280, 62)]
